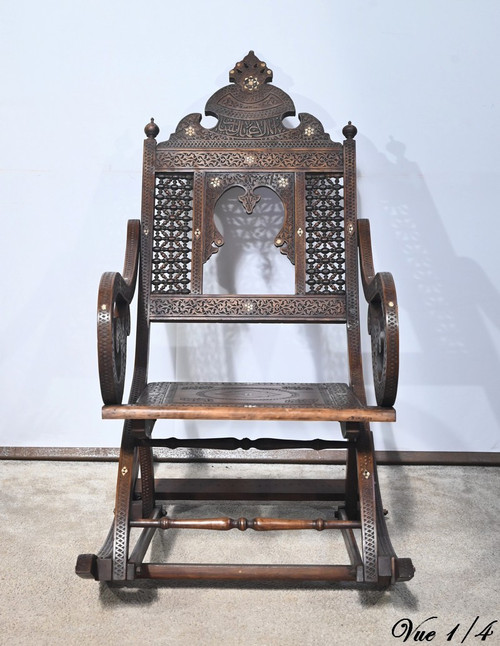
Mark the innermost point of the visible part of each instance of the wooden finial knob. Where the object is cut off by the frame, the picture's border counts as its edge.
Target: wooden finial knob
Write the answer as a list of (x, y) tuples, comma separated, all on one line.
[(151, 129), (349, 131)]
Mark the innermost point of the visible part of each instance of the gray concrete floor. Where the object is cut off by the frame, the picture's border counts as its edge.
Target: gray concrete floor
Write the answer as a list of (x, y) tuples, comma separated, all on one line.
[(445, 518)]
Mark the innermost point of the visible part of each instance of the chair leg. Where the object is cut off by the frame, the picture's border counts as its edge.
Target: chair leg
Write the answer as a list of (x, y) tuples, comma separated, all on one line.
[(110, 563), (127, 474), (381, 564), (135, 507), (391, 568), (367, 505), (97, 566), (147, 480), (351, 483)]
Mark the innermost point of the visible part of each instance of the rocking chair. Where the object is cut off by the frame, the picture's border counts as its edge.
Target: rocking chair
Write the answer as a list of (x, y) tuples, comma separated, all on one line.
[(250, 147)]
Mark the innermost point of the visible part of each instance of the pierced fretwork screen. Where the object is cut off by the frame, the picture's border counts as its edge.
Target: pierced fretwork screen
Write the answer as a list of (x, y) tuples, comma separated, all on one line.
[(325, 257), (172, 234)]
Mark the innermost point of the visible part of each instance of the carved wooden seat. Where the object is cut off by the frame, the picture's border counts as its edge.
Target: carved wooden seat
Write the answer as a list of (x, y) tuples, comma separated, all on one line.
[(250, 147)]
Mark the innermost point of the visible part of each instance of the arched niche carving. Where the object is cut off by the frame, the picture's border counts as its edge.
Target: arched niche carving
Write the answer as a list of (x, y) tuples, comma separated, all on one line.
[(282, 184), (247, 261)]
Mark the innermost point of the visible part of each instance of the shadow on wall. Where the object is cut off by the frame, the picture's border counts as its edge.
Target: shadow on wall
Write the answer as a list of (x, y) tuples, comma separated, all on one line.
[(448, 298), (445, 297)]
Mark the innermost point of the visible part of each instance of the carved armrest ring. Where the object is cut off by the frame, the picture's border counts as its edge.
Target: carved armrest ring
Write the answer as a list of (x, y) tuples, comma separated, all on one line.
[(384, 331)]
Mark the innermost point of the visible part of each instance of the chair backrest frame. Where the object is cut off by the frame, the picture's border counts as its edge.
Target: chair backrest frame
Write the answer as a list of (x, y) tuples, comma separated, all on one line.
[(249, 147)]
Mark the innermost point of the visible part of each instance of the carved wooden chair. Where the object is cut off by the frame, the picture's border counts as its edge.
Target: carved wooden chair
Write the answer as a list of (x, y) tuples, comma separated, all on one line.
[(249, 147)]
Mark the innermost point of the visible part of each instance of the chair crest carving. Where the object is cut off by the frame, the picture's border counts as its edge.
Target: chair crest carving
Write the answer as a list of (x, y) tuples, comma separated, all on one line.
[(251, 111)]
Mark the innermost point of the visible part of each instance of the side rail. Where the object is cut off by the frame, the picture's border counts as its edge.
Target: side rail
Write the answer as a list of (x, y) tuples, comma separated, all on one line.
[(383, 324), (116, 291)]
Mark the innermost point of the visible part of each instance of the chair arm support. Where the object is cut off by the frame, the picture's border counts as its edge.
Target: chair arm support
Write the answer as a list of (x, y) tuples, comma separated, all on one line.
[(383, 324), (116, 291)]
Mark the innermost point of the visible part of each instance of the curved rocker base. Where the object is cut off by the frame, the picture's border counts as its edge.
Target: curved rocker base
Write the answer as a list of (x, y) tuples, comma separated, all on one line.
[(356, 507)]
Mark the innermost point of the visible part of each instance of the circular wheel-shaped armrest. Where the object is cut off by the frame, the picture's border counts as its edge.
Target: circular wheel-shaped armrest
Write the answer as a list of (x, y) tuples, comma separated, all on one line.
[(384, 331), (113, 327)]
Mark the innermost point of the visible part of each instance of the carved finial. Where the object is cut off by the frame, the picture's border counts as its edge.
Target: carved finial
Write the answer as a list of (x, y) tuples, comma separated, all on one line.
[(250, 73), (151, 129), (349, 131)]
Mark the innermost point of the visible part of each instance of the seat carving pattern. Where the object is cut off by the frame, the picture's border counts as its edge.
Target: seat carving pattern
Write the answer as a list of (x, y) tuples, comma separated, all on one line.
[(249, 394)]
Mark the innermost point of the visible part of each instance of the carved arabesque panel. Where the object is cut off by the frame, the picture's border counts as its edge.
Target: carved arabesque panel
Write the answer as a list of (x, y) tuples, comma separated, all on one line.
[(172, 234), (273, 308), (325, 254), (267, 159)]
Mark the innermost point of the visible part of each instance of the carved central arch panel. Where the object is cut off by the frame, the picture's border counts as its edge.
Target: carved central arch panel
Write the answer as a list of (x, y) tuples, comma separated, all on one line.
[(216, 184)]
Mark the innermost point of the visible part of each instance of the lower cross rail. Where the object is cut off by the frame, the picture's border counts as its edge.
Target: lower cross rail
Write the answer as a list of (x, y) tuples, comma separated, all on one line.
[(257, 524)]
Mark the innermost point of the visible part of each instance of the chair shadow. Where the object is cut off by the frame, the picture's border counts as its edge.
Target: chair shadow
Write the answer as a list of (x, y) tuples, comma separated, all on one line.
[(450, 301)]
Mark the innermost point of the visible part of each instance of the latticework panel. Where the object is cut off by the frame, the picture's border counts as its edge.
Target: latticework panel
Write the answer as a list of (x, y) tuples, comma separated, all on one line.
[(325, 258), (172, 234)]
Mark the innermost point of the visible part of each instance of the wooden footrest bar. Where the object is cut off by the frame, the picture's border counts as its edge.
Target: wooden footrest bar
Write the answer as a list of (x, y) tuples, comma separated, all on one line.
[(258, 524), (247, 572)]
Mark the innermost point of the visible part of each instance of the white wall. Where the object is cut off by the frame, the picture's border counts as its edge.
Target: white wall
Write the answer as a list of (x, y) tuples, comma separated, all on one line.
[(80, 80)]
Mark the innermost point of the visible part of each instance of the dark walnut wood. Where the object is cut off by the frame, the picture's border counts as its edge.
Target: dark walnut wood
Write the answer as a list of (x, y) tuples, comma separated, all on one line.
[(250, 149), (224, 524), (265, 401), (116, 291), (383, 324)]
